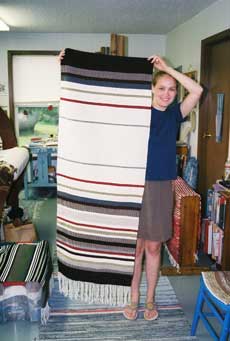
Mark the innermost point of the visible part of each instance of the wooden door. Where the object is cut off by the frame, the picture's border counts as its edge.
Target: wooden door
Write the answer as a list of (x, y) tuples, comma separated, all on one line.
[(215, 77)]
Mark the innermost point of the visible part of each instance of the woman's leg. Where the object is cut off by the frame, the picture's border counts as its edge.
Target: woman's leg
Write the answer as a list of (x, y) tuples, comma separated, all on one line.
[(152, 258), (135, 285)]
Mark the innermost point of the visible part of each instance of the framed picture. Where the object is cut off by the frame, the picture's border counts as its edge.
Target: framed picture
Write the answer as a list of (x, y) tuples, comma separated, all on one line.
[(183, 91)]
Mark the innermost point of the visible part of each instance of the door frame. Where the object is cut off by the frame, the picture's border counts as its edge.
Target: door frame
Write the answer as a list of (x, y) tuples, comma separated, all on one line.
[(206, 45)]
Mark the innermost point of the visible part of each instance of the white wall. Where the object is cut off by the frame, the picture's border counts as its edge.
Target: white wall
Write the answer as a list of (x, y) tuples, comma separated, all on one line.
[(183, 44), (138, 46)]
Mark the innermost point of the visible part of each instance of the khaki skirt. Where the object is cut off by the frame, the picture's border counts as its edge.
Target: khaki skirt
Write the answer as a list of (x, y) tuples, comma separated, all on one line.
[(155, 221)]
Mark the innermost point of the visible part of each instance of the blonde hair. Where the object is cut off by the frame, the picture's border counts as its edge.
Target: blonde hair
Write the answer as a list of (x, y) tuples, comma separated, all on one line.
[(160, 74)]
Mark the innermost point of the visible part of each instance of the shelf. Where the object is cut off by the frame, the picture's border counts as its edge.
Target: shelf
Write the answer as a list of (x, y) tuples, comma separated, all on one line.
[(41, 170)]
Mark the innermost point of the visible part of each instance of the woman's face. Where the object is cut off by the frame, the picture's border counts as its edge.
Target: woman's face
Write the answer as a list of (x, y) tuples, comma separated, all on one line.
[(164, 92)]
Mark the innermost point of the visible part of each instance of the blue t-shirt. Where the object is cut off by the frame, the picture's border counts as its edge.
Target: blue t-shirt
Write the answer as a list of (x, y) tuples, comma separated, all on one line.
[(161, 159)]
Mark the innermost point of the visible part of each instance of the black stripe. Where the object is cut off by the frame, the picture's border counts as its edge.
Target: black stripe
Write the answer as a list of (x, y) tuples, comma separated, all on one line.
[(94, 61), (106, 204), (92, 256), (95, 277), (106, 79), (93, 241)]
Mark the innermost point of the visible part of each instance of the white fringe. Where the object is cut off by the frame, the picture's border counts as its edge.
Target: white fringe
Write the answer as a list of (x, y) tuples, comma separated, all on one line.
[(94, 293), (171, 259), (45, 314)]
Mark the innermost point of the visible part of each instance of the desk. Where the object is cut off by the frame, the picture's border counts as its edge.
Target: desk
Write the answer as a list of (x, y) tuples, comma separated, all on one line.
[(41, 170)]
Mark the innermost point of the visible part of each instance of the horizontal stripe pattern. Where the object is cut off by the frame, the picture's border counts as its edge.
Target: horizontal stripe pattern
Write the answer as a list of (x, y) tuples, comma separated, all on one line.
[(103, 137), (71, 319)]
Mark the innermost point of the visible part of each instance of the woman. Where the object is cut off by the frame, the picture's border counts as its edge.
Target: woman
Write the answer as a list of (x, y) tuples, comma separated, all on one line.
[(155, 225)]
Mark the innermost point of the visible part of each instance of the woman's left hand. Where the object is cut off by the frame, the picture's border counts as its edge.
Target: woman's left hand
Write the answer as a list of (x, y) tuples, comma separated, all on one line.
[(158, 62)]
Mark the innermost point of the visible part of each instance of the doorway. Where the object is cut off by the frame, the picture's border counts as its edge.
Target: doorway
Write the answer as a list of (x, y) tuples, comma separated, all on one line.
[(213, 144)]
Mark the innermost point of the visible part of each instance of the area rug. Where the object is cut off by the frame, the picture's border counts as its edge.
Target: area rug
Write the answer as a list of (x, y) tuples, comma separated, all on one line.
[(105, 110), (32, 207), (70, 320)]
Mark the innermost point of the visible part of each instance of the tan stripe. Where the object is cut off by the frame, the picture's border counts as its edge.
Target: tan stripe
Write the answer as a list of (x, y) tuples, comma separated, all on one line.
[(111, 239), (96, 192), (99, 247)]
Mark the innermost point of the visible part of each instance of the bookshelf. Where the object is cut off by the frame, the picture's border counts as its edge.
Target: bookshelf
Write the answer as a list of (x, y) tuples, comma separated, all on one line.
[(225, 264), (216, 227)]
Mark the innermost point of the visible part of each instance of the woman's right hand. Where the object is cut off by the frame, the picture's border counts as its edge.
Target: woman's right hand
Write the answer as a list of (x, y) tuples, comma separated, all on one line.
[(158, 62), (61, 55)]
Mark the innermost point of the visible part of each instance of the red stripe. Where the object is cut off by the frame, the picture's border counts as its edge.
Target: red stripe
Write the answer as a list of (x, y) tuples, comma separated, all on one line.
[(106, 104), (95, 226), (13, 283), (99, 182), (105, 310), (93, 251)]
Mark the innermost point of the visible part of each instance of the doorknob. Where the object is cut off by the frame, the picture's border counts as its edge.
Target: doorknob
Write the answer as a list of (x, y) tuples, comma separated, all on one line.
[(206, 135)]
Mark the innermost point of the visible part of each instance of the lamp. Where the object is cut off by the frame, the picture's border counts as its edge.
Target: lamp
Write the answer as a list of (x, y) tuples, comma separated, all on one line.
[(3, 26)]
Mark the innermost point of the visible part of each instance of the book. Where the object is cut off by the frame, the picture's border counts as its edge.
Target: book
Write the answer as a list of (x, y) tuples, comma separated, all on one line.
[(209, 203)]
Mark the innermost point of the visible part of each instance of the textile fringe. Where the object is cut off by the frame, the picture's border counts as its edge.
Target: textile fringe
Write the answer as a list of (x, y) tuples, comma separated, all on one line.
[(45, 314), (94, 293), (171, 259)]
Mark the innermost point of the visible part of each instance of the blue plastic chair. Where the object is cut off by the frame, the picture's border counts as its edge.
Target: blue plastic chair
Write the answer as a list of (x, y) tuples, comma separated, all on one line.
[(215, 292)]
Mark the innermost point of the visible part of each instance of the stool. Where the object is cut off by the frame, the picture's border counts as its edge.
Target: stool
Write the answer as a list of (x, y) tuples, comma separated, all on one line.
[(215, 292)]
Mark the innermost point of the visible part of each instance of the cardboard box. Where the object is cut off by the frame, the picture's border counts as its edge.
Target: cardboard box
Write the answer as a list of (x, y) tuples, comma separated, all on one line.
[(22, 233)]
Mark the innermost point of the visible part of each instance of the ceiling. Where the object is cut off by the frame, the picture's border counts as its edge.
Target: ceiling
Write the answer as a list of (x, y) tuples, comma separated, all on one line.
[(99, 16)]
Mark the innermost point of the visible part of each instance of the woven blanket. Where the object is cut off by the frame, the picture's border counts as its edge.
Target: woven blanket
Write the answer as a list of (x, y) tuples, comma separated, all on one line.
[(20, 263), (182, 190), (104, 120)]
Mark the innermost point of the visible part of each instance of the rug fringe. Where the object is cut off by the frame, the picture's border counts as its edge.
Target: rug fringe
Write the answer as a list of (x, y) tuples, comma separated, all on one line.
[(171, 259), (94, 293), (45, 314)]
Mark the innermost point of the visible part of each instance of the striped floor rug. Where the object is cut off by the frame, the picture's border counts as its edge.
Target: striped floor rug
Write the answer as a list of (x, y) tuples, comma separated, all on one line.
[(70, 320)]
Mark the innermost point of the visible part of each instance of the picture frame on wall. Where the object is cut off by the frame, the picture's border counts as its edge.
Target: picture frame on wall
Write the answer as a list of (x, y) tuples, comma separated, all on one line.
[(183, 91)]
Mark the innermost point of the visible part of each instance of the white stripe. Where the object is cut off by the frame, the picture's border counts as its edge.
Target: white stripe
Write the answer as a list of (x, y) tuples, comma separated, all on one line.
[(93, 218), (77, 111), (87, 189), (33, 263), (38, 258), (109, 145), (99, 97), (100, 196), (85, 265), (9, 262), (40, 264), (95, 88), (77, 258), (100, 233), (101, 174)]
